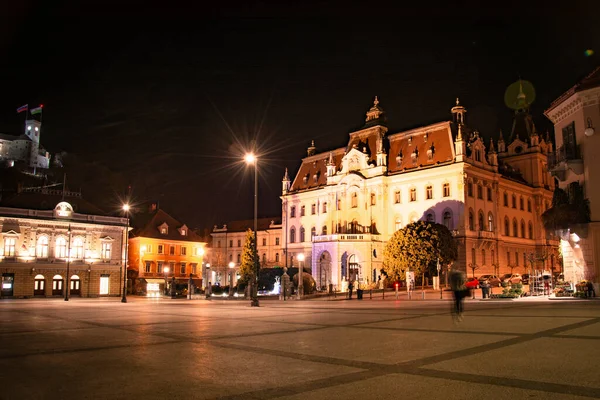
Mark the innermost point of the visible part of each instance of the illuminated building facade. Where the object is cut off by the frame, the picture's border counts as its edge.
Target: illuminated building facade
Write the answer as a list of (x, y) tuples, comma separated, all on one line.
[(228, 243), (41, 246), (576, 166), (161, 249), (343, 205), (25, 148)]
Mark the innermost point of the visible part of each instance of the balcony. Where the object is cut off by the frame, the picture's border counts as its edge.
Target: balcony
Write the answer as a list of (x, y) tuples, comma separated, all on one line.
[(347, 237), (486, 235), (566, 158)]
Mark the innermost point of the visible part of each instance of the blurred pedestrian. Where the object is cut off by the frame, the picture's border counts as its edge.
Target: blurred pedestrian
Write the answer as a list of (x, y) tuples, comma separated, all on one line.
[(459, 290), (350, 287), (591, 292)]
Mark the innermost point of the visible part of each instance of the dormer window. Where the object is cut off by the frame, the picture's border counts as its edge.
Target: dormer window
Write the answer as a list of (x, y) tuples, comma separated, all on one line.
[(183, 232), (430, 152), (164, 229), (305, 179), (414, 155), (399, 158), (426, 137), (410, 140)]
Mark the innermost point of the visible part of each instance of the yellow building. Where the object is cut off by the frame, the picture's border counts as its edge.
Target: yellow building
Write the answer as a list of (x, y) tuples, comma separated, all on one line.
[(163, 250), (344, 204)]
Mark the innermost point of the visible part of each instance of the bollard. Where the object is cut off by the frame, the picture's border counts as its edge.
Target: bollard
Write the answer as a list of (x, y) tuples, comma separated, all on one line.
[(423, 295), (441, 293), (383, 294), (371, 294)]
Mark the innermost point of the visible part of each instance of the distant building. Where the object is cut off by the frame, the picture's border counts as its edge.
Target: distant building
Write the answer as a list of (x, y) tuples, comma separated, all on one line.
[(344, 204), (26, 148), (576, 166), (228, 243), (161, 249), (46, 240)]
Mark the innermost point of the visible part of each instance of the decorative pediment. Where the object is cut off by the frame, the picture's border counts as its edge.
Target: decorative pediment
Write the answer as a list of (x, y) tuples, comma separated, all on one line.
[(10, 232), (517, 147), (354, 160), (107, 239)]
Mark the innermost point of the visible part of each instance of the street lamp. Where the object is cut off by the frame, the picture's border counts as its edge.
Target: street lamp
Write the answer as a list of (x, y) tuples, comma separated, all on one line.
[(68, 264), (124, 299), (300, 280), (250, 158), (166, 271), (231, 272)]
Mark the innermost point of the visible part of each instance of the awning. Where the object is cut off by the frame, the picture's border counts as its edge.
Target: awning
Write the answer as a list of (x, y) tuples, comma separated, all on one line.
[(159, 281)]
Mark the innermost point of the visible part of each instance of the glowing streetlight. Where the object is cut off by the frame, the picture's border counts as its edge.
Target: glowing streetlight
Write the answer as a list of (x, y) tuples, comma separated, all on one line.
[(300, 281), (166, 271), (124, 299), (250, 158)]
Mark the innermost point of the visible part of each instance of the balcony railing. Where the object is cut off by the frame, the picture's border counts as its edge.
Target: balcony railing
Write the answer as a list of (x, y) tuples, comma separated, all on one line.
[(347, 237), (486, 235), (567, 154)]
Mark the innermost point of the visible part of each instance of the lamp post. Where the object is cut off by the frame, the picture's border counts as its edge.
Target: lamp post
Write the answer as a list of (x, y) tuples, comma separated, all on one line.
[(300, 280), (68, 265), (124, 299), (231, 272), (250, 158), (166, 270)]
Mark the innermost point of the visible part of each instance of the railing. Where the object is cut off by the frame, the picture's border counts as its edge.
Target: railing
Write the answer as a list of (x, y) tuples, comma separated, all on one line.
[(486, 235), (564, 154), (354, 237)]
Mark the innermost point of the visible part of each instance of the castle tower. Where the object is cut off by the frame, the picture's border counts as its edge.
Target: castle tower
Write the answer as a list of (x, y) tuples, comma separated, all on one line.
[(330, 165), (458, 113), (311, 149), (381, 156), (32, 131), (460, 146)]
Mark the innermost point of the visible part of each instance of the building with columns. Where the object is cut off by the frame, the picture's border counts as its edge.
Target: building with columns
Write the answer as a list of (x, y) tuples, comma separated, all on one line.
[(227, 245), (344, 204), (48, 241), (576, 117)]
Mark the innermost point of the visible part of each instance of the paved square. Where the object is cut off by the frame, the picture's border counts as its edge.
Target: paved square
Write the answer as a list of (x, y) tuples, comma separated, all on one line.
[(221, 349)]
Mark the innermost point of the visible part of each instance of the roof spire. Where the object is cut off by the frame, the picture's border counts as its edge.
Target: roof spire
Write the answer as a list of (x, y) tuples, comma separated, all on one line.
[(375, 114), (376, 101), (330, 161), (492, 149), (286, 176), (459, 135), (501, 138)]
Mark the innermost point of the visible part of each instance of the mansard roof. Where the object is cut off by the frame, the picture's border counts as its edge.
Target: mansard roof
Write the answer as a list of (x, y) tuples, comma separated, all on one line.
[(592, 80), (147, 225), (262, 224), (313, 171)]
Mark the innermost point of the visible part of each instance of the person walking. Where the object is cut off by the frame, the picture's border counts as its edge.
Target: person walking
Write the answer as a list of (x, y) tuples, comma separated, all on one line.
[(350, 287), (457, 284)]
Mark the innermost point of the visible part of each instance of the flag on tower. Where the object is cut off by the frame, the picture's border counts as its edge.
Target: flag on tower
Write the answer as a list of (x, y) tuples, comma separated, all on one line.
[(23, 108), (37, 110)]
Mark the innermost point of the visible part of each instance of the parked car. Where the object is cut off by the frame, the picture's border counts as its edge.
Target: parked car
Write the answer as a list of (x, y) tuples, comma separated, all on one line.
[(511, 278), (472, 283), (491, 280)]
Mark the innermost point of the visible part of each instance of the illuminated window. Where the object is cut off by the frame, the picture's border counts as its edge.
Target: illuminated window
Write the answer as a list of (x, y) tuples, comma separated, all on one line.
[(490, 222), (60, 250), (42, 247), (302, 211), (413, 194), (182, 269), (276, 241), (276, 257), (324, 207), (354, 200), (10, 243), (160, 267), (107, 249), (77, 250), (302, 238), (183, 250), (160, 249), (293, 212), (104, 284), (163, 231), (148, 267), (313, 209), (183, 232), (446, 190), (264, 241), (429, 192), (292, 235), (313, 232), (397, 197), (172, 250)]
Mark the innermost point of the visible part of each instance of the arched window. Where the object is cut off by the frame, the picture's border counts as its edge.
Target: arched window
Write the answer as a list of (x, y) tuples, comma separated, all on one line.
[(514, 201), (292, 235), (398, 224), (77, 250), (302, 211), (506, 227), (529, 205), (429, 192), (490, 222), (339, 204), (313, 209), (471, 220), (292, 211), (530, 230), (430, 217), (446, 190), (276, 257), (324, 230), (448, 219), (42, 247), (505, 199), (480, 220), (515, 228), (354, 200), (313, 232), (60, 250), (522, 228), (324, 207), (302, 236)]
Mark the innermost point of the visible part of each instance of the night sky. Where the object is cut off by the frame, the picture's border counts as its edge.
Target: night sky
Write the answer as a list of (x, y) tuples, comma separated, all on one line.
[(166, 99)]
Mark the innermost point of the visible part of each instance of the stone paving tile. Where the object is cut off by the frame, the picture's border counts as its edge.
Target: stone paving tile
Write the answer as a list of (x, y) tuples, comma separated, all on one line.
[(477, 323), (543, 360), (39, 324), (335, 318), (369, 345), (403, 386), (166, 371), (22, 344)]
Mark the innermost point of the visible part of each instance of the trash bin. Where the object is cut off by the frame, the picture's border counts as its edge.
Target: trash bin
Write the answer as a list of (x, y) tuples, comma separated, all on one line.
[(359, 294)]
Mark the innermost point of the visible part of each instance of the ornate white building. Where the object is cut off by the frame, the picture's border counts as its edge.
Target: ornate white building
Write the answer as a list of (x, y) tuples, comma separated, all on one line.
[(576, 118), (25, 148), (344, 204)]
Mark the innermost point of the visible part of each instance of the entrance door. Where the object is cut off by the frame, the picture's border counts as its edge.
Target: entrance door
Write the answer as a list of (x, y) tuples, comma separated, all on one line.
[(324, 272), (8, 281), (75, 286), (57, 285), (39, 286)]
